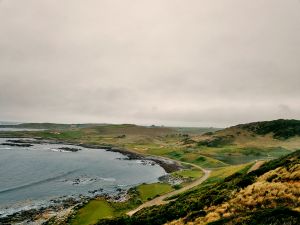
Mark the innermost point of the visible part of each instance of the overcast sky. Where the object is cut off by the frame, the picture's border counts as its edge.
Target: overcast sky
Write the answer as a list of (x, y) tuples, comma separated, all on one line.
[(171, 62)]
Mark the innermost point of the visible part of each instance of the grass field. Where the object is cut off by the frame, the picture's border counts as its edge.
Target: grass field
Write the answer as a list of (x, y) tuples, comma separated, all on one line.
[(191, 173), (221, 173), (149, 191), (100, 209), (92, 212)]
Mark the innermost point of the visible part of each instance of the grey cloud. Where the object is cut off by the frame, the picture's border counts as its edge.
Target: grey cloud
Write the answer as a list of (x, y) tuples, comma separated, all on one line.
[(167, 62)]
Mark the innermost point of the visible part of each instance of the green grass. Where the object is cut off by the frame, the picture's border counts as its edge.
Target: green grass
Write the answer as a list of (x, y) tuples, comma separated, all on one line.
[(220, 174), (195, 157), (65, 135), (193, 173), (281, 129), (149, 191), (196, 130), (204, 161), (235, 155), (93, 212)]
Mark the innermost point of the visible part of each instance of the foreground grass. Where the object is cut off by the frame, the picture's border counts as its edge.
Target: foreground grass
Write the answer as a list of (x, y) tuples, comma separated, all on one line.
[(93, 212), (149, 191)]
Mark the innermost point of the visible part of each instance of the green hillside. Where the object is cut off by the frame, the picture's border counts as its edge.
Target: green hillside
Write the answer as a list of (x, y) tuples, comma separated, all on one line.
[(268, 195), (280, 129)]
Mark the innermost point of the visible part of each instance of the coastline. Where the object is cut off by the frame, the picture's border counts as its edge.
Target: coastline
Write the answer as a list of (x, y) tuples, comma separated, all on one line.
[(168, 165), (33, 214)]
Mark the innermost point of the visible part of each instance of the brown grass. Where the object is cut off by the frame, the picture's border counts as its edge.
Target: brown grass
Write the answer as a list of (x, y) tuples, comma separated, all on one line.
[(279, 187)]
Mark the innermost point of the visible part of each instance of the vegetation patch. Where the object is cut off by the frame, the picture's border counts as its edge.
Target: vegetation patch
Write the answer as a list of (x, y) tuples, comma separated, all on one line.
[(149, 191), (93, 212), (217, 141), (189, 174), (234, 155), (281, 129), (175, 154), (219, 174)]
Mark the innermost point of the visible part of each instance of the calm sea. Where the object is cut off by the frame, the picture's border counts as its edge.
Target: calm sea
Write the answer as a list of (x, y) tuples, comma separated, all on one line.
[(32, 176)]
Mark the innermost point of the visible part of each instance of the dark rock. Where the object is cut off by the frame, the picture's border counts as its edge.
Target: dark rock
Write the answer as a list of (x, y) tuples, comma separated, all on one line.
[(17, 145), (69, 149)]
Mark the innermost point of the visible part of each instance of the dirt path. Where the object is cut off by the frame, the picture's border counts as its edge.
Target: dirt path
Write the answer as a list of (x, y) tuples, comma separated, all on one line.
[(256, 166), (160, 200)]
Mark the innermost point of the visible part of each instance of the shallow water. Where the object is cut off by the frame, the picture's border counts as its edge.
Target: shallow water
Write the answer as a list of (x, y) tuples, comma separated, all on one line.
[(19, 129), (31, 176)]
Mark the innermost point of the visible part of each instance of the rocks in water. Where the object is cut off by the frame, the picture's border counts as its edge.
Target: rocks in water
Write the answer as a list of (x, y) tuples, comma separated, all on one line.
[(21, 142), (147, 162), (25, 141), (81, 180), (96, 191), (69, 149), (168, 178), (76, 181), (168, 165), (17, 145), (31, 215)]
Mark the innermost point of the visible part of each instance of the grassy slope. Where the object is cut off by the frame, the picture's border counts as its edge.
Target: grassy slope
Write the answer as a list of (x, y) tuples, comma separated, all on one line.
[(241, 197), (149, 191), (219, 174), (273, 190), (280, 129), (92, 212), (189, 174), (196, 130), (100, 209), (243, 143)]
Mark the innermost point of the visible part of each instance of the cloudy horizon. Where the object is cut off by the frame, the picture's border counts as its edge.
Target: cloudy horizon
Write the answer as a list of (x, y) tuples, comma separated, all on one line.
[(164, 62)]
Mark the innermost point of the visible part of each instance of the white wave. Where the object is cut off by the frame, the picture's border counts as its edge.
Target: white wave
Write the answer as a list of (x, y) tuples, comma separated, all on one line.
[(58, 150), (111, 179)]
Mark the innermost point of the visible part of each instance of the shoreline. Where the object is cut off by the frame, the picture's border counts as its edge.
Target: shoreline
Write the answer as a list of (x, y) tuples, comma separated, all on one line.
[(30, 215), (168, 165)]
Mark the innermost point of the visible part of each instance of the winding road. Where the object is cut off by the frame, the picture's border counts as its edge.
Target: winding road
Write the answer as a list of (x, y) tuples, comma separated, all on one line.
[(161, 199), (256, 165)]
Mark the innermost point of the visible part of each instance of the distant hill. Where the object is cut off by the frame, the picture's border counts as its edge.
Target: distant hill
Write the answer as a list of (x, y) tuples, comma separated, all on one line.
[(48, 126), (131, 129), (266, 133), (280, 129), (8, 123), (114, 129), (196, 130)]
